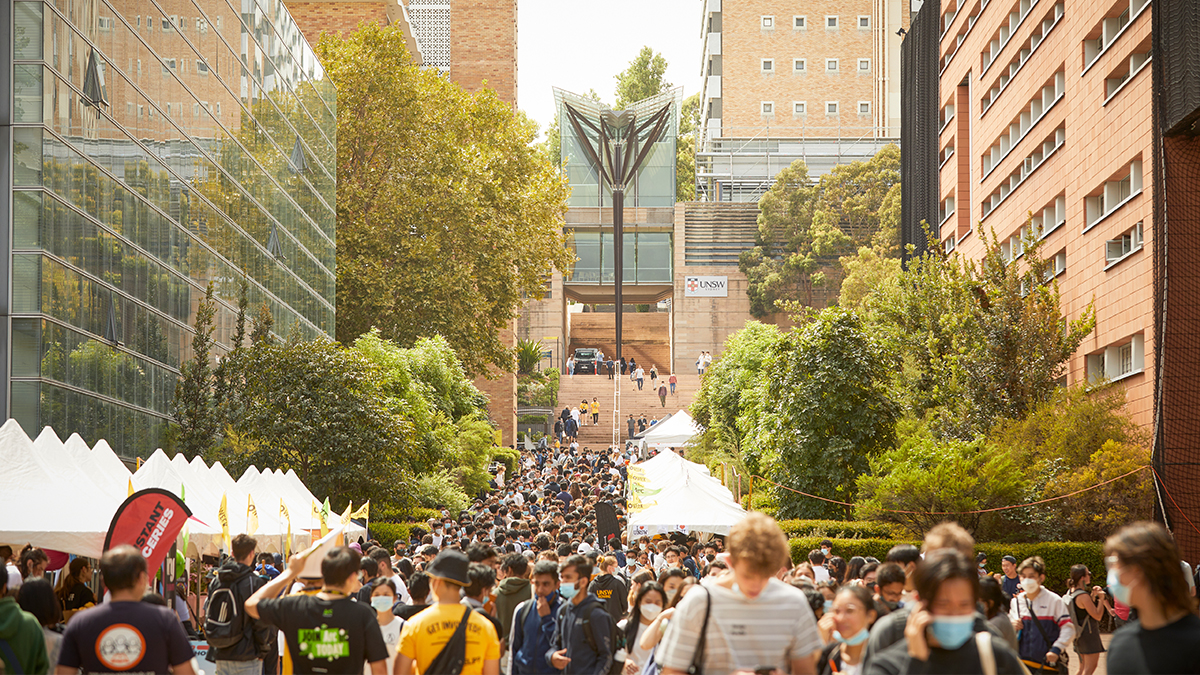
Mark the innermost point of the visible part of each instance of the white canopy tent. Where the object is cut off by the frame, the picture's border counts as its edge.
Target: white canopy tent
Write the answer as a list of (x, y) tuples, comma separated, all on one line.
[(676, 495), (677, 430)]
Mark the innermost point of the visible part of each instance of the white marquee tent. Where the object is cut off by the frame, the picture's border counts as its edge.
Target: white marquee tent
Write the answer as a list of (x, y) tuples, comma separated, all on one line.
[(677, 430), (62, 496), (679, 496)]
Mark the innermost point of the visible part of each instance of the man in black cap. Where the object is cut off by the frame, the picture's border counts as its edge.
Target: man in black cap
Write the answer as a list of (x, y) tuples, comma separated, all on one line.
[(1009, 581), (327, 632), (427, 632)]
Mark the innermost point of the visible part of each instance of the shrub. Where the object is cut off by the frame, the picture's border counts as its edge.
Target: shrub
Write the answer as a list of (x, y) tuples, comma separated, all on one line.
[(422, 515), (387, 533), (851, 529), (764, 500), (438, 488), (509, 458), (1059, 555)]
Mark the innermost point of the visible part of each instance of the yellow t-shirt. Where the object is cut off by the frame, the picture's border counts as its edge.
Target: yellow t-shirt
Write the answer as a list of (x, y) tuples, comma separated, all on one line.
[(595, 407), (427, 632)]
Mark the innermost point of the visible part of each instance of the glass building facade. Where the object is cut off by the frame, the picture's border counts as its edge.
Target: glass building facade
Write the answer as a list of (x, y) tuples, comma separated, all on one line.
[(155, 148), (647, 241)]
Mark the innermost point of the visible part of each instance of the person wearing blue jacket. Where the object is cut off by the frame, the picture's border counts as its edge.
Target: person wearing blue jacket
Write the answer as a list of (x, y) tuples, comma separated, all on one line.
[(584, 640), (533, 624)]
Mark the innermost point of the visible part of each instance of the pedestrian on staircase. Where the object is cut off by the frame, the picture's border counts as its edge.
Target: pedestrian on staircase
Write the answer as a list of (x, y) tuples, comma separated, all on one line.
[(595, 411), (624, 366), (662, 394), (571, 366), (632, 423), (583, 411), (673, 380), (641, 377), (610, 366), (653, 375)]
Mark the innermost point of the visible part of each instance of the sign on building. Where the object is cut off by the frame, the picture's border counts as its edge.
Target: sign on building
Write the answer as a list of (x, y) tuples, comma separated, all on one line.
[(706, 287)]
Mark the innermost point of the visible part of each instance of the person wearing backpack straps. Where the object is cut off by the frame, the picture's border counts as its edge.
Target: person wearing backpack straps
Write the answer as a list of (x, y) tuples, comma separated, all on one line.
[(533, 624), (448, 637), (586, 639), (1085, 606), (238, 643)]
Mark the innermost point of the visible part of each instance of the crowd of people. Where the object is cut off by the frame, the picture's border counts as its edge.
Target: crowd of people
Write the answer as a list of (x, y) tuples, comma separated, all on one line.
[(540, 575)]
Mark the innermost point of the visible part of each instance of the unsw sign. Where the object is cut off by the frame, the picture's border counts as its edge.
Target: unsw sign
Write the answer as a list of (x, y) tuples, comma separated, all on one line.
[(706, 287)]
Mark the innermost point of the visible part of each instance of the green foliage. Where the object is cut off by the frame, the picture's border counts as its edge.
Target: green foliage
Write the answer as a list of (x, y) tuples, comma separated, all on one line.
[(508, 457), (440, 489), (805, 226), (192, 408), (388, 533), (827, 412), (685, 152), (865, 273), (539, 389), (423, 514), (229, 378), (448, 216), (1059, 556), (529, 355), (930, 475), (839, 529), (645, 77)]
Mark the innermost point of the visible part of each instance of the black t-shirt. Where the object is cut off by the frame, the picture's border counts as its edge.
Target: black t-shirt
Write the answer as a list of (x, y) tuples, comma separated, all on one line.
[(1010, 586), (1174, 648), (78, 596), (895, 660), (326, 636), (125, 637), (407, 612)]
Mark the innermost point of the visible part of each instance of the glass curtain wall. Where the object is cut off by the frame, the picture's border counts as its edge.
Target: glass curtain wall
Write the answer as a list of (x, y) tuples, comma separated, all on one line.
[(158, 149)]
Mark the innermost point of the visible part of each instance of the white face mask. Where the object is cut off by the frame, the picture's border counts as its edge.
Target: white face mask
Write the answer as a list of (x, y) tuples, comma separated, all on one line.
[(649, 611), (671, 594), (1030, 585)]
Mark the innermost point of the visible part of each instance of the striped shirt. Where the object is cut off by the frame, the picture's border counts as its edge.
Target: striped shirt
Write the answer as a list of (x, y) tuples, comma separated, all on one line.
[(1050, 612), (742, 633)]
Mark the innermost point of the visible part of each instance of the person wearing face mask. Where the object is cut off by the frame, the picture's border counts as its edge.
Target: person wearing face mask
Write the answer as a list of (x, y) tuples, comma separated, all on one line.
[(382, 598), (585, 634), (647, 606), (940, 633), (850, 620), (533, 624), (1041, 619), (671, 579), (1144, 572)]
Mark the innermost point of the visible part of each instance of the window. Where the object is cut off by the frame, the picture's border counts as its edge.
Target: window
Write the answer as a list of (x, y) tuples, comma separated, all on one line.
[(768, 108), (864, 65), (768, 65), (864, 107), (946, 210), (799, 65), (831, 108), (1117, 361), (169, 63), (1016, 16), (864, 21), (1027, 119), (1111, 27), (831, 21), (800, 22), (218, 108), (799, 108), (1051, 19), (1116, 250), (1127, 69), (104, 23), (1113, 194), (150, 23), (947, 115), (831, 65), (168, 22), (1027, 166), (768, 22), (201, 67)]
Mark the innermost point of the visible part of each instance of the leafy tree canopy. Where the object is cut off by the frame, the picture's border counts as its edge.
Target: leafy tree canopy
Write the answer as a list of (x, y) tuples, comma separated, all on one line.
[(447, 214), (644, 77)]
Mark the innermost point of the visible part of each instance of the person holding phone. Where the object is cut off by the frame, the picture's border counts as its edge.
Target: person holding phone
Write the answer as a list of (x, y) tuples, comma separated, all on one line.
[(533, 623)]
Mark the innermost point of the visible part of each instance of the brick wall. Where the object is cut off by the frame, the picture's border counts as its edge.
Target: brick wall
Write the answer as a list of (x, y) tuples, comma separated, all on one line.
[(313, 18), (501, 390), (483, 46)]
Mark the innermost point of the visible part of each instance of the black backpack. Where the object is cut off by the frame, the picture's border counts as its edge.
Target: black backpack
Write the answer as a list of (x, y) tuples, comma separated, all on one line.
[(224, 616), (618, 637), (454, 653)]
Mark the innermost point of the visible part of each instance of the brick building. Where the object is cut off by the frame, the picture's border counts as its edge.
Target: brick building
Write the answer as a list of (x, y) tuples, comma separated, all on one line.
[(819, 82), (1051, 120)]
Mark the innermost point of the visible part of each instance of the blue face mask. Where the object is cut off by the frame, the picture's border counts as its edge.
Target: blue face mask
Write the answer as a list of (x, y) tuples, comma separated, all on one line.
[(856, 639), (828, 606), (953, 631), (1119, 590), (568, 592)]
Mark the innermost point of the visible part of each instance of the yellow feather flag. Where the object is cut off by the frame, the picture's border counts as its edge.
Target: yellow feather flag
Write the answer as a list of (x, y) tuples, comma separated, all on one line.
[(346, 514), (287, 543), (251, 515), (323, 514), (223, 516), (363, 511), (130, 488)]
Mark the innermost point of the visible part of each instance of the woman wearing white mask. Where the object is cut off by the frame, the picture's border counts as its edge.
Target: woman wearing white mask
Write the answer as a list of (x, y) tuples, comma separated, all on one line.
[(851, 617), (942, 635), (1144, 573), (383, 597), (1040, 618), (671, 579), (647, 606)]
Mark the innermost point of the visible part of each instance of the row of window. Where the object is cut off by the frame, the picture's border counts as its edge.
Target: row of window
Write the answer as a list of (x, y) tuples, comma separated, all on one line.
[(801, 108), (168, 23), (801, 65), (800, 22)]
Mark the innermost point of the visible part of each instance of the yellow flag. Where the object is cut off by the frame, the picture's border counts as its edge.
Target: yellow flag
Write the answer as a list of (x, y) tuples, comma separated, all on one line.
[(323, 515), (287, 543), (251, 515), (223, 516), (346, 514), (130, 488), (363, 511)]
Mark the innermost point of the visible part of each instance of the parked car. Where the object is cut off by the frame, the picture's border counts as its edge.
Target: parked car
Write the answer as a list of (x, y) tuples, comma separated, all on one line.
[(585, 361)]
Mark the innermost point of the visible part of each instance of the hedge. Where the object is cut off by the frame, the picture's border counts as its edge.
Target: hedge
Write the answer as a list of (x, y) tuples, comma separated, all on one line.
[(1060, 556), (854, 529)]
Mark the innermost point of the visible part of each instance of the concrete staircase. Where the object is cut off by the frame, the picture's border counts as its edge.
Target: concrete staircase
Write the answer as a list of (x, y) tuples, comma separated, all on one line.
[(573, 390), (646, 336)]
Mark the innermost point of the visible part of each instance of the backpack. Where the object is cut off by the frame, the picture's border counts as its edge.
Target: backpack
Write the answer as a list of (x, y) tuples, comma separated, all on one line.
[(615, 667), (224, 616), (1072, 609), (454, 652)]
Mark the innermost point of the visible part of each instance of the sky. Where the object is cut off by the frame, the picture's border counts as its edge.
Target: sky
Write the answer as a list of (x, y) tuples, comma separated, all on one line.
[(579, 45)]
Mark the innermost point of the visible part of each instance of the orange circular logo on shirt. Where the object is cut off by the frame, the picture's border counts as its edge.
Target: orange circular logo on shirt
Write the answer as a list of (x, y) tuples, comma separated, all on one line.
[(120, 647)]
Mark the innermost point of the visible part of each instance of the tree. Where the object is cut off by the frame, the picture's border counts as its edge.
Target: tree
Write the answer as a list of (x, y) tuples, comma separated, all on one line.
[(804, 226), (685, 152), (192, 408), (229, 378), (448, 217), (644, 77), (827, 411)]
